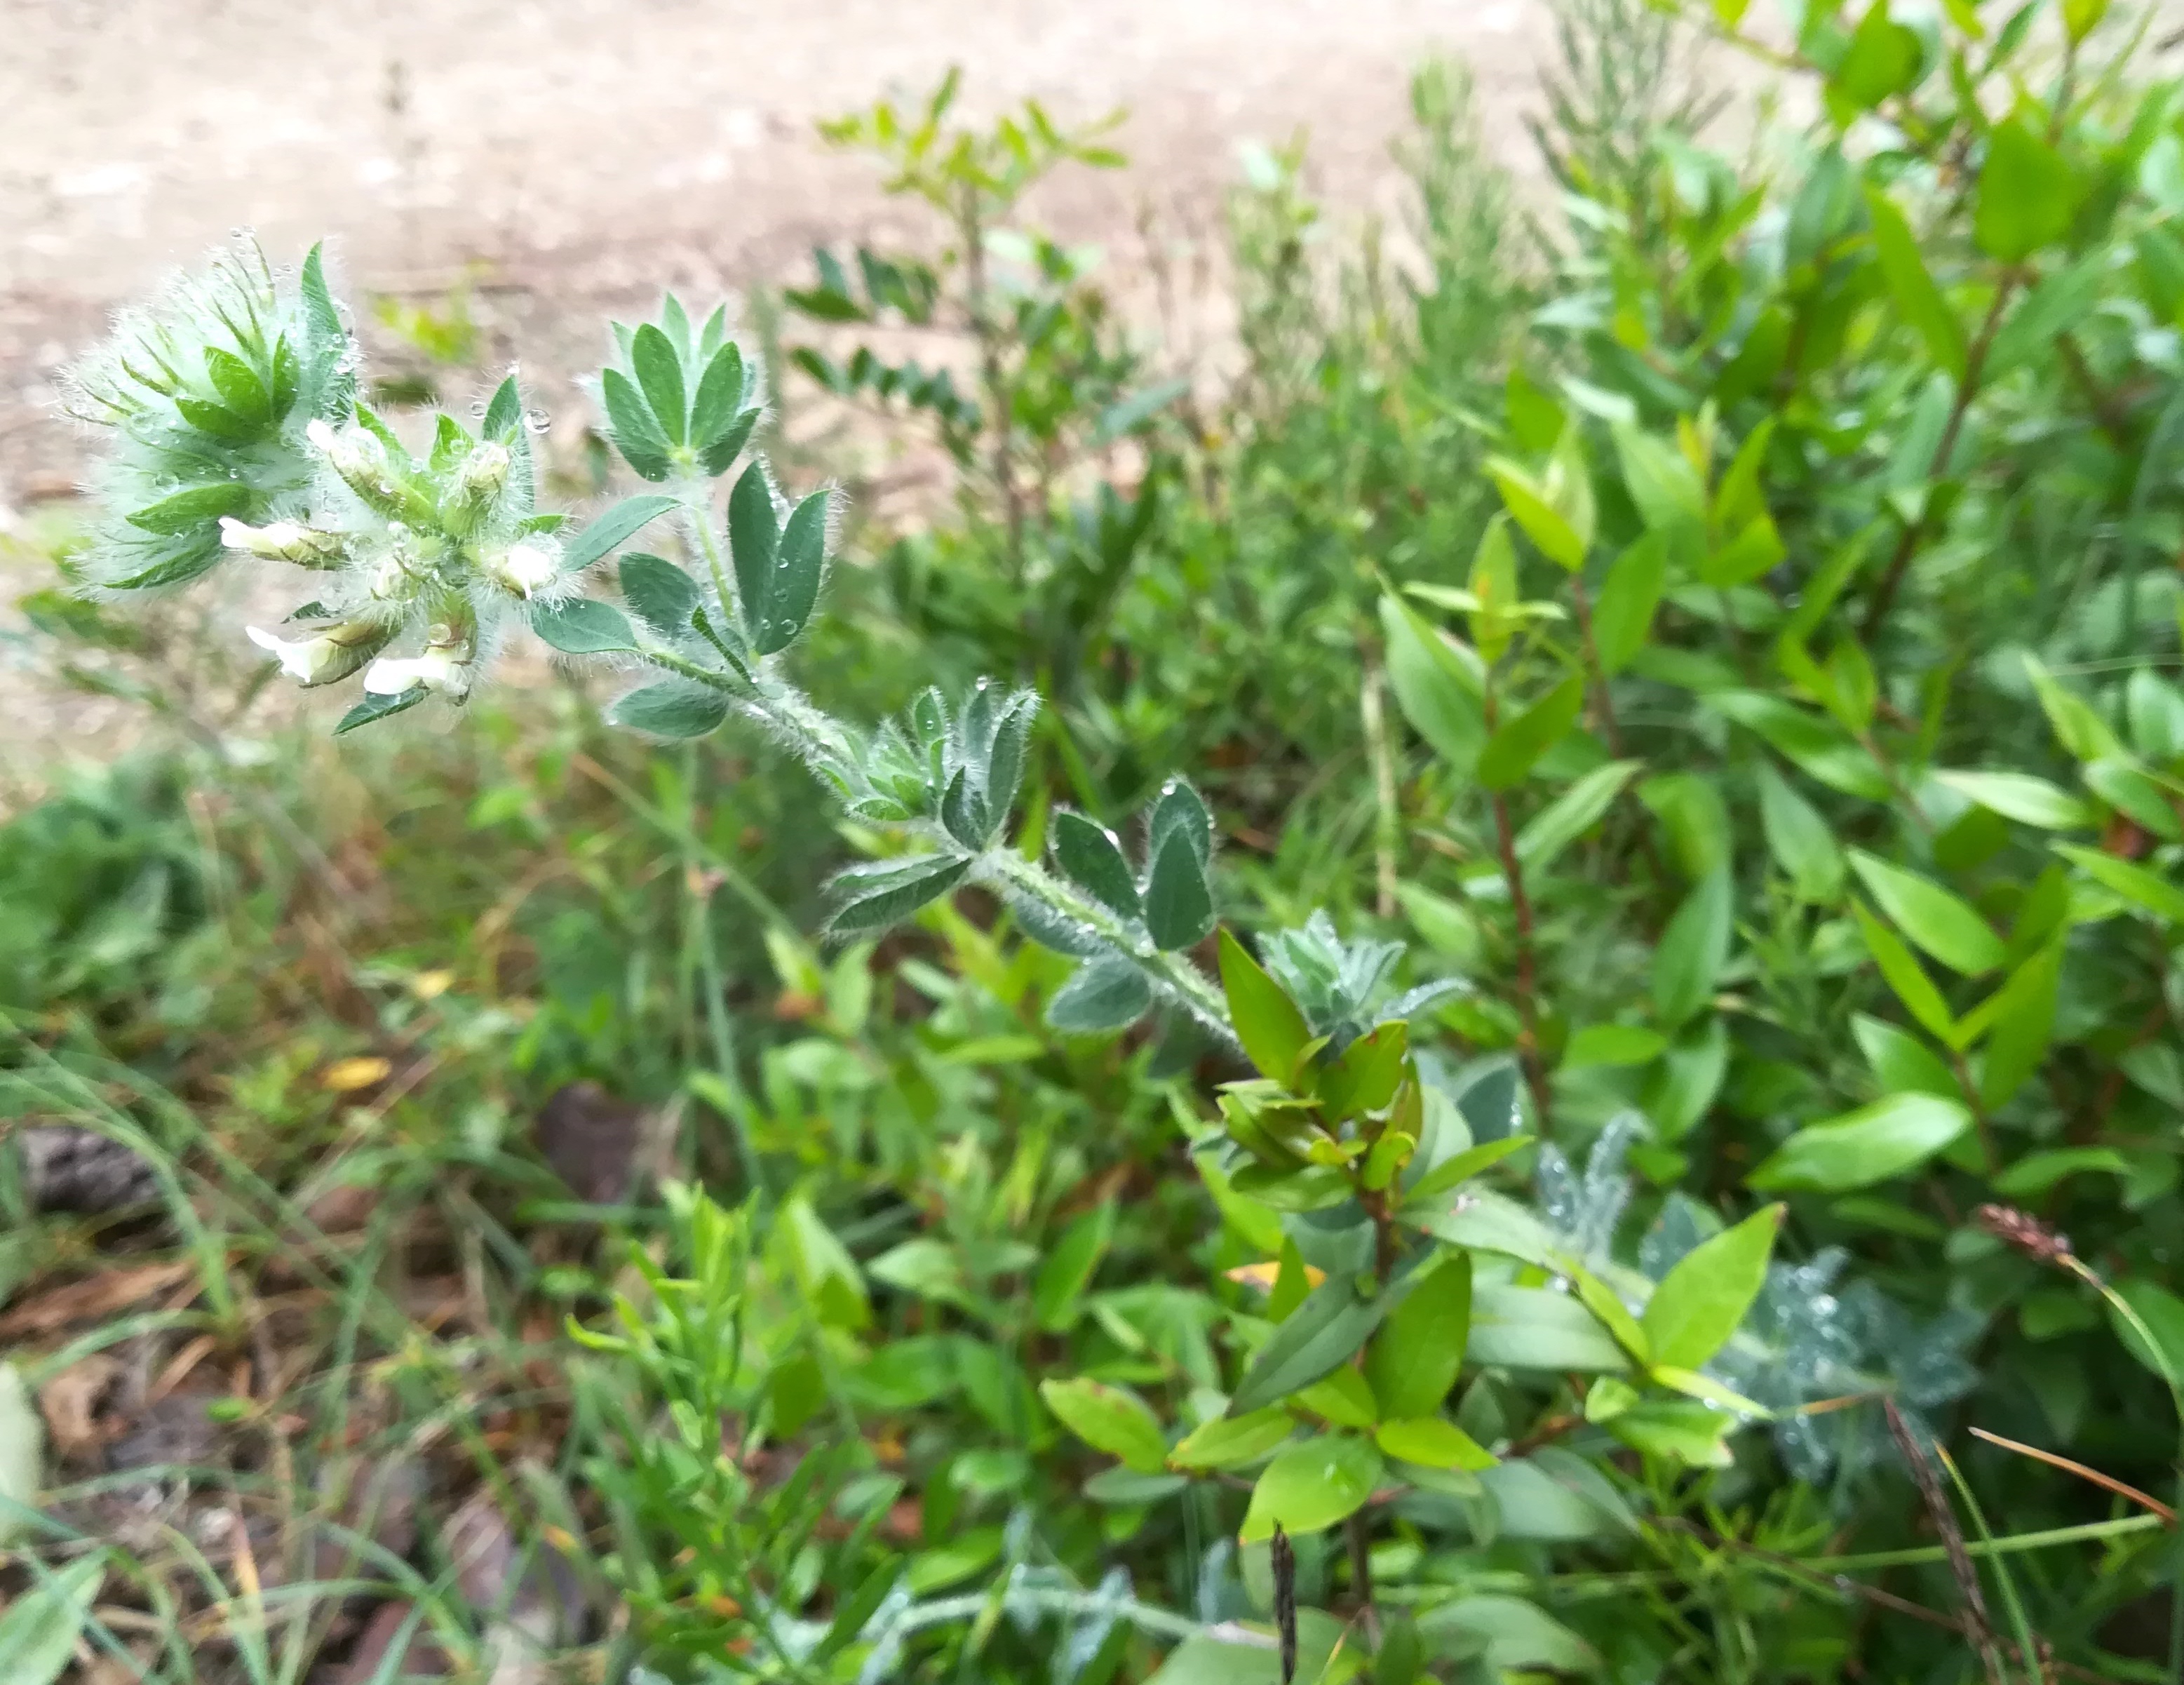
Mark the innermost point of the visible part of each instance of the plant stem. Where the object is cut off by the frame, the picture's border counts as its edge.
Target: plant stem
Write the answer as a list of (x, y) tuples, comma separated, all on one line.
[(1372, 707), (1884, 596), (970, 228), (1528, 1010)]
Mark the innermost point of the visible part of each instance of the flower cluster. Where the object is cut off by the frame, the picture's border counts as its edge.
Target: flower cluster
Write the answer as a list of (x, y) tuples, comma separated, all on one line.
[(237, 435)]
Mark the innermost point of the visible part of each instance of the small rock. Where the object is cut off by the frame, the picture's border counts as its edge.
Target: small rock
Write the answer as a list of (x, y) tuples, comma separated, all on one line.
[(591, 1140), (66, 1169)]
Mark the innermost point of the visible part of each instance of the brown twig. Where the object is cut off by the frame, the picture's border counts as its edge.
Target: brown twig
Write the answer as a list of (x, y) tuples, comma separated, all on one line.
[(1884, 596), (2095, 1475), (1977, 1629)]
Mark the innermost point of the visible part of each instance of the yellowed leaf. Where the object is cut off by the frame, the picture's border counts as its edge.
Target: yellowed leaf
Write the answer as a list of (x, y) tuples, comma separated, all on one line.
[(430, 985), (1262, 1274), (346, 1076)]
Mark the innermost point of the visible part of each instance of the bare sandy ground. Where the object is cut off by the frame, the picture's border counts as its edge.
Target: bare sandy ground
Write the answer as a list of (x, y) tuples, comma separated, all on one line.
[(586, 151)]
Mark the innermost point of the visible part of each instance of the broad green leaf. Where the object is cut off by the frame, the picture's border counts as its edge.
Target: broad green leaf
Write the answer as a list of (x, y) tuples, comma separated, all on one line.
[(2135, 884), (1432, 1442), (2163, 1314), (720, 397), (1623, 619), (1684, 1086), (1890, 1138), (2020, 796), (2137, 794), (39, 1630), (1911, 287), (1800, 840), (1693, 949), (1691, 811), (1109, 1419), (2081, 731), (1900, 967), (1091, 858), (1518, 1637), (1413, 1359), (1484, 1221), (1105, 994), (1058, 1290), (1462, 1165), (663, 596), (1326, 1654), (1756, 549), (580, 626), (1327, 1330), (1516, 746), (1570, 815), (1703, 1299), (1529, 502), (1178, 901), (1678, 1429), (1533, 1328), (1232, 1441), (605, 534), (881, 895), (1272, 1030), (755, 543), (659, 373), (1881, 61), (183, 509), (678, 709), (2027, 195), (1309, 1486), (1938, 920), (1554, 1497), (1900, 1062), (1440, 695), (2081, 17)]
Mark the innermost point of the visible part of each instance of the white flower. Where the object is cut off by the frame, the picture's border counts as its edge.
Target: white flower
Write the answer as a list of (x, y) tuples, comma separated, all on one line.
[(335, 653), (356, 454), (303, 660), (523, 569), (436, 670), (281, 541)]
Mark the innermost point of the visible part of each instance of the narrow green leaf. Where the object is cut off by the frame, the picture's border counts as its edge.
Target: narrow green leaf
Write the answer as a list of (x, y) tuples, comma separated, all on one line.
[(2020, 796), (659, 371), (663, 596), (2027, 195), (181, 510), (678, 709), (1905, 975), (880, 895), (799, 563), (2024, 1021), (2136, 884), (1800, 840), (755, 542), (1623, 619), (1432, 1442), (1440, 695), (1267, 1022), (1413, 1360), (1110, 1419), (1911, 285), (1516, 746), (1941, 921), (1178, 901), (1105, 994), (630, 424), (1570, 815), (1703, 1299), (374, 709), (1900, 1062), (1328, 1329), (720, 397), (1693, 949), (1057, 1291), (580, 625), (1529, 506), (620, 522), (1091, 858), (1533, 1328), (1233, 1442), (39, 1630), (1890, 1138)]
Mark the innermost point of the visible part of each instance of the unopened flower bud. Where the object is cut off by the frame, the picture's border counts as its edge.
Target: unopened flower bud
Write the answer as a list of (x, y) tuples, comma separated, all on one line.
[(357, 455), (523, 569), (483, 473), (283, 541), (330, 655)]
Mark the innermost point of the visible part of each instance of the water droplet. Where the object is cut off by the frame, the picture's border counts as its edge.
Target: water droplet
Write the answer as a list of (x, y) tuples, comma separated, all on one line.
[(537, 420)]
